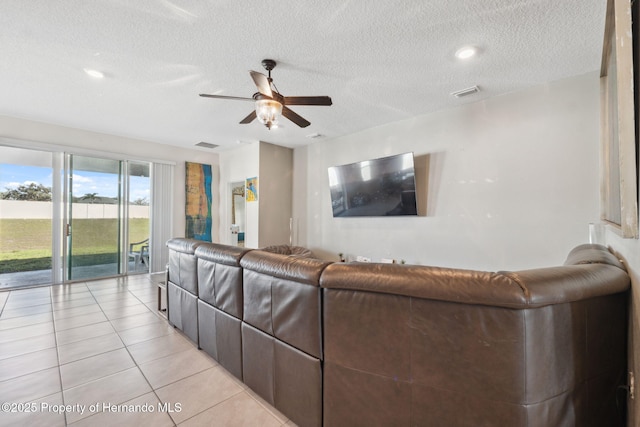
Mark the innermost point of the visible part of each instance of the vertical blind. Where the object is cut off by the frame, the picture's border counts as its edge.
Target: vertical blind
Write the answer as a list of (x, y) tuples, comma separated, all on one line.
[(161, 214)]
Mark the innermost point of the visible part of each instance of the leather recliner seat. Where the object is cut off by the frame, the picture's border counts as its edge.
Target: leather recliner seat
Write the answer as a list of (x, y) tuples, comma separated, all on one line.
[(366, 344), (282, 333), (220, 304), (182, 286), (414, 345)]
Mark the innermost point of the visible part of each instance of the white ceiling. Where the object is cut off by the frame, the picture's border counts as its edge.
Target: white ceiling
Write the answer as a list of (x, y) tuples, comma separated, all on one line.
[(379, 60)]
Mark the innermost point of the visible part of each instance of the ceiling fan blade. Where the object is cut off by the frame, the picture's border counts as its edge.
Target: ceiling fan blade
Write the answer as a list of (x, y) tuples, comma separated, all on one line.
[(262, 83), (251, 117), (307, 100), (295, 118), (226, 97)]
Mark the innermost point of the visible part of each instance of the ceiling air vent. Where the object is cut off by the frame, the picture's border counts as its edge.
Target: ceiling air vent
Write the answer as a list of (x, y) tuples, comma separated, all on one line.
[(464, 92), (206, 145)]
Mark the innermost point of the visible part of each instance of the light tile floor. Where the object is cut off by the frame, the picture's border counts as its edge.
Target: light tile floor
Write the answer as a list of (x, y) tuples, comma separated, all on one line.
[(98, 353)]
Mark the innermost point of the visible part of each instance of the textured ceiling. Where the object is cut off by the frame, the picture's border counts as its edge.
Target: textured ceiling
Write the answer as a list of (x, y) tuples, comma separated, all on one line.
[(379, 60)]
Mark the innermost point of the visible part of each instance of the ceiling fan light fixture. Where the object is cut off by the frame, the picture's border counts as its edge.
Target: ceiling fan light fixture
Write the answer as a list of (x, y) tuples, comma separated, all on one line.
[(269, 104), (268, 111)]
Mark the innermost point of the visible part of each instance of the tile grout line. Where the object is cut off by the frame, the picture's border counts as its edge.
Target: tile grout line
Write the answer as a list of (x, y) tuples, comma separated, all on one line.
[(84, 358), (71, 317), (55, 340), (5, 302), (94, 355), (217, 404), (29, 352), (137, 365), (154, 390), (126, 348)]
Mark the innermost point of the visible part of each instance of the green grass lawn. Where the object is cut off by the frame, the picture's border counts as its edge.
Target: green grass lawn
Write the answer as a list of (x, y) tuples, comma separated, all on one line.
[(25, 244)]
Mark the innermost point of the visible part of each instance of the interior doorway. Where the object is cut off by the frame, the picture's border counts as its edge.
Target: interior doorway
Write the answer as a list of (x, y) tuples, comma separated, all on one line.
[(238, 213)]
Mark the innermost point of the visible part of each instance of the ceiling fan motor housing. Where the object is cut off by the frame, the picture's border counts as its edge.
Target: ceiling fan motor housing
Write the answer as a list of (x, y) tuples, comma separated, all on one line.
[(268, 64)]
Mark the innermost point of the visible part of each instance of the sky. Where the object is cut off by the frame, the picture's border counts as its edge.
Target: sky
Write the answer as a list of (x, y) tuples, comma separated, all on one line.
[(85, 182)]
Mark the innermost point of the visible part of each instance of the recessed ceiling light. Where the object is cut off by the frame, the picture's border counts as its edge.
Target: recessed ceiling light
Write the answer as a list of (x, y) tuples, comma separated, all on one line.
[(466, 52), (94, 73)]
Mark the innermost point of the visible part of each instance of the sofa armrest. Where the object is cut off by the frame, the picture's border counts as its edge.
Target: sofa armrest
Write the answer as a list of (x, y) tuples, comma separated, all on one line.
[(187, 246), (558, 285), (592, 254)]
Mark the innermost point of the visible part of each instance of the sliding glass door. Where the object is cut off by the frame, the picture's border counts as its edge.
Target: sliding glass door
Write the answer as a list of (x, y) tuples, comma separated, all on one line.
[(95, 217), (138, 190), (26, 217), (108, 217), (67, 217)]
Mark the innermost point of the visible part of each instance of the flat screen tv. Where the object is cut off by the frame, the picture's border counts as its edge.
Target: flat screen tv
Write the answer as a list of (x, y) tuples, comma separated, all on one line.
[(377, 187)]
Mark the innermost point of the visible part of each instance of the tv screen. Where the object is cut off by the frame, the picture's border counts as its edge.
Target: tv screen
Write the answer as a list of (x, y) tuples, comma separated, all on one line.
[(377, 187)]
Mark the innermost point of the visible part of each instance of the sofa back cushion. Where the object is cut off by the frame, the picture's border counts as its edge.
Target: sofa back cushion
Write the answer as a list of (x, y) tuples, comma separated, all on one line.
[(220, 276), (282, 298), (411, 345), (182, 270), (289, 250)]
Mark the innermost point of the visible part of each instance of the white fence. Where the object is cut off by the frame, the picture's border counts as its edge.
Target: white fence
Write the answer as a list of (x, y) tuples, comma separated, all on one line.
[(10, 209)]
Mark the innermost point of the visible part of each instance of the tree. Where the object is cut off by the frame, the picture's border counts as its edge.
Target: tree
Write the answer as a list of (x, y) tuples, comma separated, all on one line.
[(91, 197), (141, 201), (31, 191)]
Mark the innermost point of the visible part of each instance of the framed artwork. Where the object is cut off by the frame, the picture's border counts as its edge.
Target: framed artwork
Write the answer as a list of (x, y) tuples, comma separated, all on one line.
[(619, 183), (252, 189), (198, 201)]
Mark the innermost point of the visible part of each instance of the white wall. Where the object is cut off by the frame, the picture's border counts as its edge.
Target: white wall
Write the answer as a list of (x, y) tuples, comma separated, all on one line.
[(274, 194), (513, 182), (24, 209), (39, 135), (236, 166), (267, 220), (628, 250)]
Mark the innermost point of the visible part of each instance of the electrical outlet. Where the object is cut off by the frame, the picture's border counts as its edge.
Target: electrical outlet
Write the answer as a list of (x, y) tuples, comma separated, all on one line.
[(632, 386)]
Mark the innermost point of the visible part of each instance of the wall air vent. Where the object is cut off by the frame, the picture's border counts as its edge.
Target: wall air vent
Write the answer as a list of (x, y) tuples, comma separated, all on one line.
[(464, 92), (206, 145)]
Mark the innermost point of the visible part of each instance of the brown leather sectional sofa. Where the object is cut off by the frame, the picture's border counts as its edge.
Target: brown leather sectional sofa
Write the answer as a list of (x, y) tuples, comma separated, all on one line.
[(351, 344)]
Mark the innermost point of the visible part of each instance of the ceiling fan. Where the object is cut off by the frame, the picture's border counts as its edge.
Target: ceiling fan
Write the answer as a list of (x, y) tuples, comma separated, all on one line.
[(270, 104)]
